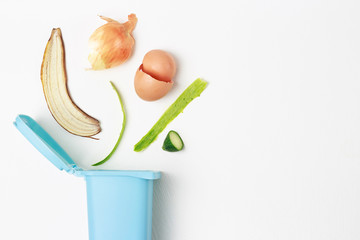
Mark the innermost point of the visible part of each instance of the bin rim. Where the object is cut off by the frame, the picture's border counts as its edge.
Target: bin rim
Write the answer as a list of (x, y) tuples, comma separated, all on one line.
[(144, 174)]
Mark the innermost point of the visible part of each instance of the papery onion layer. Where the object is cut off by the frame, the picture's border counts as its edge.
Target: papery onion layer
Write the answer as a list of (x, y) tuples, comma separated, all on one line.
[(112, 43)]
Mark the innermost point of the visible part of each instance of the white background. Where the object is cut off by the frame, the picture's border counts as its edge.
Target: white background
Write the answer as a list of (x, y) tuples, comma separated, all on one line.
[(272, 146)]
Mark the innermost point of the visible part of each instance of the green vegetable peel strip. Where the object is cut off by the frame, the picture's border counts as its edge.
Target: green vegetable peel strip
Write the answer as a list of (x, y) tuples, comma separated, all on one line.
[(190, 93), (122, 129)]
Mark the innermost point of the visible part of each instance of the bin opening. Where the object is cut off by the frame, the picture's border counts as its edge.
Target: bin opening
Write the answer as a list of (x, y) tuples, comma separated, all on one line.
[(43, 142)]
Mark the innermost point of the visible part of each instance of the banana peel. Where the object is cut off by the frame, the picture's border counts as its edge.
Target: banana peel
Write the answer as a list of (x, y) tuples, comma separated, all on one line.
[(59, 102)]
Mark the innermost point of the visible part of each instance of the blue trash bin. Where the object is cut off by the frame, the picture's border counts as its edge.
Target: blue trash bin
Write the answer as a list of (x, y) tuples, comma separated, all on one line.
[(119, 201)]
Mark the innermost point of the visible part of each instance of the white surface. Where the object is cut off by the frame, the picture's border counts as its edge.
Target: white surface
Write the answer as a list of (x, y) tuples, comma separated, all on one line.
[(272, 145)]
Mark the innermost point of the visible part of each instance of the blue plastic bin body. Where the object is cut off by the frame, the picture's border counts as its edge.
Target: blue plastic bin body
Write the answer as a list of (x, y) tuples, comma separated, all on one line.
[(119, 201), (119, 206)]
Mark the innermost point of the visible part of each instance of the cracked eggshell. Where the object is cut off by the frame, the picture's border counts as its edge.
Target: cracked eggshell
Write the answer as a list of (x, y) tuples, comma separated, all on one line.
[(149, 88), (160, 65)]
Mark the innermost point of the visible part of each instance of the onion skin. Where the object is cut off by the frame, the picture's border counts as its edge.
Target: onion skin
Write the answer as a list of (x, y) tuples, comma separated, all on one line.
[(112, 43)]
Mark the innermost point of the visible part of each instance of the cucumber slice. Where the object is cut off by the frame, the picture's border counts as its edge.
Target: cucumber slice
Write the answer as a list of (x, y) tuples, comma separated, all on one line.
[(189, 94), (173, 142)]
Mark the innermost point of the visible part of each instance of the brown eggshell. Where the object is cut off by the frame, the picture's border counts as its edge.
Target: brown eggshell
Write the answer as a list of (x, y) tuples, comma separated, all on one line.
[(160, 65), (148, 88)]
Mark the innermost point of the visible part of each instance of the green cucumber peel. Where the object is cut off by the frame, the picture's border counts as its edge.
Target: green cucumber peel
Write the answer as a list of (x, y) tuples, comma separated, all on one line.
[(173, 142), (190, 93), (122, 129)]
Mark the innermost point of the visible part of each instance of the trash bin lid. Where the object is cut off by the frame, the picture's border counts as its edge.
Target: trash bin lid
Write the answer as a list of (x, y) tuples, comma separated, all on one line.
[(43, 142)]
